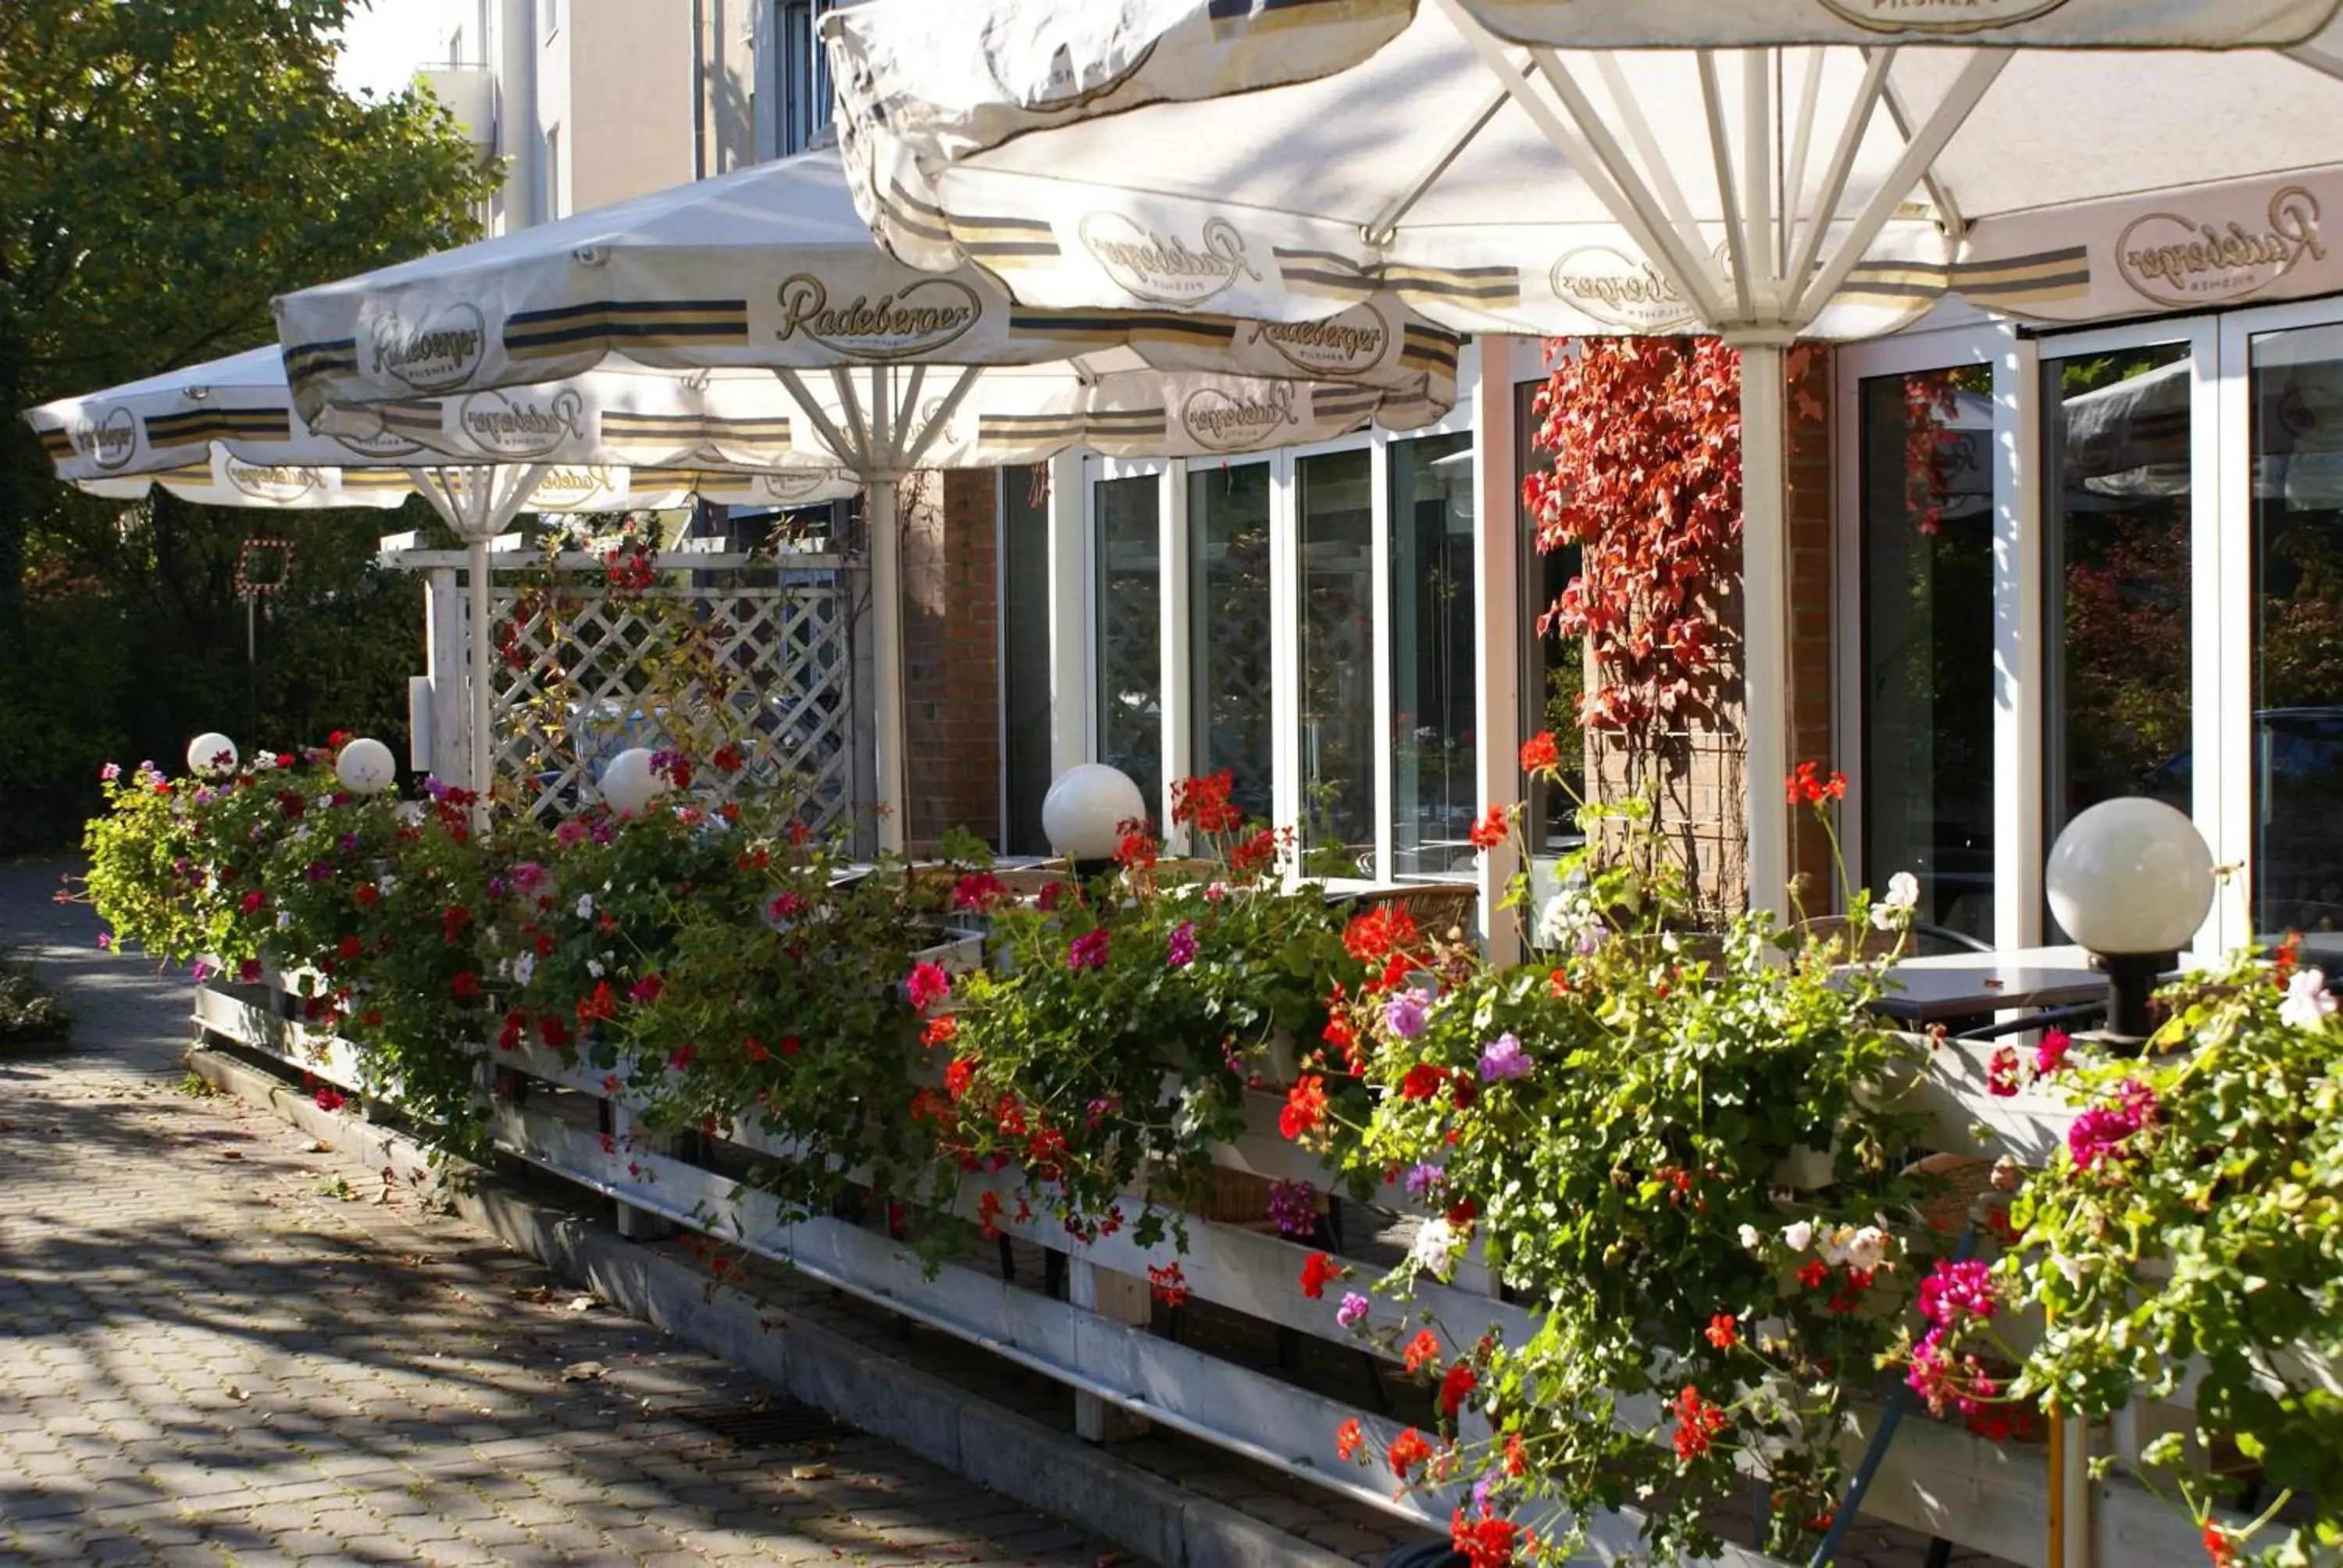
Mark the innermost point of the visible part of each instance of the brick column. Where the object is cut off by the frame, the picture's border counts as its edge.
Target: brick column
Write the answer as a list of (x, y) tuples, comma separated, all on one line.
[(952, 655), (1813, 574)]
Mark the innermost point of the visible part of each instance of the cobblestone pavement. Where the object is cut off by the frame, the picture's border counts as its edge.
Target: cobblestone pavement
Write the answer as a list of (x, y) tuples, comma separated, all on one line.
[(217, 1346)]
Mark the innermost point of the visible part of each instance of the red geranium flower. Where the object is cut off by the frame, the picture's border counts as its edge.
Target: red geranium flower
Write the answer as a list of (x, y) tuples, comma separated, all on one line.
[(465, 984), (1169, 1285), (1540, 753), (1407, 1451), (1697, 1424), (1349, 1439), (1724, 1330), (1306, 1107), (329, 1100), (1422, 1082), (1814, 1273), (1317, 1274), (1422, 1350), (1456, 1387), (350, 946), (1485, 1543), (1809, 786), (1491, 830)]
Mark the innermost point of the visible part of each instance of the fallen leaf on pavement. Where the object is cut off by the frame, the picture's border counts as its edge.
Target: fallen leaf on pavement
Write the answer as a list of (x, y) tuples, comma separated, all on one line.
[(231, 1153), (809, 1472), (583, 1371), (581, 1303)]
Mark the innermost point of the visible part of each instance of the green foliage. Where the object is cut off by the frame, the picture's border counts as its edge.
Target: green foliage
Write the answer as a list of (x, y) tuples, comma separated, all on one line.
[(165, 167), (2206, 1248), (1621, 1122), (30, 1013), (1111, 1051)]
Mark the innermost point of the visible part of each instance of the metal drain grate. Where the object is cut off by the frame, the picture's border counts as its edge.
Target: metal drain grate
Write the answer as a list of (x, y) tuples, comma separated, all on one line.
[(765, 1423)]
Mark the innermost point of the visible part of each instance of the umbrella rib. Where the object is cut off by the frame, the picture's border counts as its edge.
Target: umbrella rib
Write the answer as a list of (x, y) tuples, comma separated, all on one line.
[(1728, 195), (1757, 141), (2317, 59), (1959, 101), (850, 407), (1639, 131), (1793, 180), (1603, 164), (819, 415), (1654, 237), (1377, 231), (1947, 210), (906, 409), (944, 411), (1841, 164)]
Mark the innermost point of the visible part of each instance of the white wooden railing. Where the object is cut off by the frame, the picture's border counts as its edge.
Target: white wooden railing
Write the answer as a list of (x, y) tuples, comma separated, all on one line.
[(1936, 1479)]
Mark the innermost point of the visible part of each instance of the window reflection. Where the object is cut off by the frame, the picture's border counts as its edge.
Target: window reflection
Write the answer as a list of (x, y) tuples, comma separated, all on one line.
[(1129, 635), (2297, 389), (1553, 670), (2116, 451), (1335, 532), (1228, 584), (1434, 781), (1024, 657), (1928, 639)]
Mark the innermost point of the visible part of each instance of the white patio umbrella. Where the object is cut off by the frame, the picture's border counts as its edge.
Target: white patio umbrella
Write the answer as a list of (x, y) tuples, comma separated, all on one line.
[(1765, 169), (226, 433), (885, 370)]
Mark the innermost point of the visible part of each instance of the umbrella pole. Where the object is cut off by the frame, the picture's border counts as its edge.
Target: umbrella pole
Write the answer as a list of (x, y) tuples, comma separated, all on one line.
[(1766, 627), (883, 517)]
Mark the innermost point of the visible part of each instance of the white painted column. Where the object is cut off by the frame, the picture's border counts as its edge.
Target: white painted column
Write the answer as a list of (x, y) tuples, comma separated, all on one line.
[(483, 748), (1175, 649), (1766, 625), (1497, 617), (450, 745), (882, 516), (1070, 707), (2017, 639)]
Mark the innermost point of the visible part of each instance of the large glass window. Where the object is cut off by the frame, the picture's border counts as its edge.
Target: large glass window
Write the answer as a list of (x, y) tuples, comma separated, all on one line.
[(1228, 611), (2297, 389), (1435, 781), (1553, 670), (1335, 532), (1024, 657), (2117, 488), (1928, 639), (1129, 630)]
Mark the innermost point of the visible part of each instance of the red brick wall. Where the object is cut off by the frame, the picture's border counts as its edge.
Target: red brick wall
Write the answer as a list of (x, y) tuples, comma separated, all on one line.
[(1807, 517), (952, 655)]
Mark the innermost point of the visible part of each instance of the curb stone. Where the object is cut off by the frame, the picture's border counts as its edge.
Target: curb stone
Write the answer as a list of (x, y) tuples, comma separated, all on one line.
[(1011, 1453)]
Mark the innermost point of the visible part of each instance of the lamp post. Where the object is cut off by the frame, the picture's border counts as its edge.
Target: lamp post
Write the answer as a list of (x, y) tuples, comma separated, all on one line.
[(211, 755), (1084, 812), (2131, 880), (630, 783), (366, 766)]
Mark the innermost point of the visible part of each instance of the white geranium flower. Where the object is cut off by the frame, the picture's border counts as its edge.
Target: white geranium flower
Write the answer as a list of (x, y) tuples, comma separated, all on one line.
[(1866, 1249), (1752, 1238), (585, 906), (409, 812), (1434, 1248), (2307, 1005), (1894, 909), (594, 968), (523, 967), (1798, 1237), (1569, 921), (2072, 1269), (387, 882)]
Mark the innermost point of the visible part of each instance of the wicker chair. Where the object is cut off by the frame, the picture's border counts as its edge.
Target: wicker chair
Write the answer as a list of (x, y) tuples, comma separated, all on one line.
[(1435, 907)]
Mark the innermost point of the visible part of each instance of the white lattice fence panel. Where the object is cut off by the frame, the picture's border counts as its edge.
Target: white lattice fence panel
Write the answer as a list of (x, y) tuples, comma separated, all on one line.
[(574, 684)]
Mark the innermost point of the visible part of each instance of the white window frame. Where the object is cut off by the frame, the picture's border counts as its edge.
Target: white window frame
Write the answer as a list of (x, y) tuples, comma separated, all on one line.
[(2017, 678), (1176, 655)]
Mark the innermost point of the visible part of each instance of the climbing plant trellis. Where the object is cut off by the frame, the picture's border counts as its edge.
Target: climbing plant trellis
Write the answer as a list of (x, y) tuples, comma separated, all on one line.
[(782, 640)]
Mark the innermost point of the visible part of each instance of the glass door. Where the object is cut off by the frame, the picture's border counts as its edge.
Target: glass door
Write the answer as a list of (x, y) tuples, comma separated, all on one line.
[(1127, 618), (2290, 487), (1229, 509)]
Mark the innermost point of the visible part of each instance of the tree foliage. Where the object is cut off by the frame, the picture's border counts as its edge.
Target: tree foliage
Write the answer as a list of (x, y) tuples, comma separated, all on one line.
[(167, 166)]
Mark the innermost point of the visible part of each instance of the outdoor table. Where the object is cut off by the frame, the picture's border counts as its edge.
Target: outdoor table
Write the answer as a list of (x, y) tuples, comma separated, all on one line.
[(1966, 985)]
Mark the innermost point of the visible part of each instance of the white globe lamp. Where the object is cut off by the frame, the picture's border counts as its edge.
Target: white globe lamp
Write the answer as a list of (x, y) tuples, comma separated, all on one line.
[(366, 766), (211, 755), (1084, 813), (630, 783), (2131, 879)]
